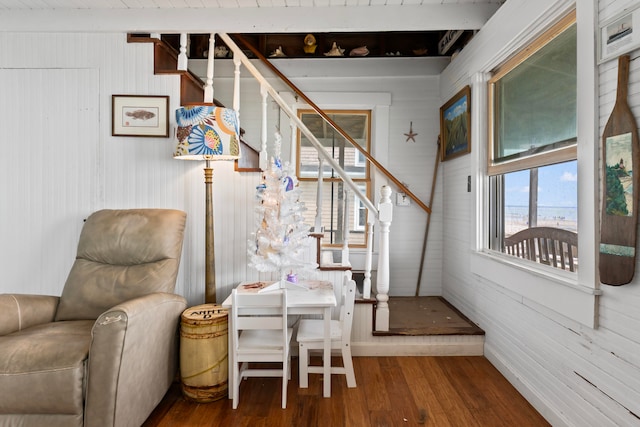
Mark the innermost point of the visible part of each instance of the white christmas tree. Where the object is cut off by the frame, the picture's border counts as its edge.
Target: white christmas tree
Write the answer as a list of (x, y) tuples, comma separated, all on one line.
[(281, 235)]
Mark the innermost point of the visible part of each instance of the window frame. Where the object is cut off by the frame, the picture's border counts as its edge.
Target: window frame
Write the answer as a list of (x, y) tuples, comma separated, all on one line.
[(564, 296), (365, 181), (359, 210), (542, 159), (498, 170)]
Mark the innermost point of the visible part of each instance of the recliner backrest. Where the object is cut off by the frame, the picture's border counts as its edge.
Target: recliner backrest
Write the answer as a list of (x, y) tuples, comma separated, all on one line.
[(122, 254)]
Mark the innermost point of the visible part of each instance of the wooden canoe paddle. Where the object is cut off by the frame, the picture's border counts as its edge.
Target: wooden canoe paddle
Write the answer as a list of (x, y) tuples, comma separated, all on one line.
[(620, 185)]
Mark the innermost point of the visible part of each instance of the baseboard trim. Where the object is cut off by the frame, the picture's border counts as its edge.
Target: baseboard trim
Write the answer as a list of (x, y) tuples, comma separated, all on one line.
[(417, 349)]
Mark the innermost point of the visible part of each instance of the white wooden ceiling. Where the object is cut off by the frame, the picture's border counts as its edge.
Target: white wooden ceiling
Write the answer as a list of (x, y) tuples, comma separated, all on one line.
[(244, 15), (207, 4)]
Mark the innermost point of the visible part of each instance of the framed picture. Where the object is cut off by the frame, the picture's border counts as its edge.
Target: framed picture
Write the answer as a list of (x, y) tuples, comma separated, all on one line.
[(455, 119), (140, 115), (620, 34)]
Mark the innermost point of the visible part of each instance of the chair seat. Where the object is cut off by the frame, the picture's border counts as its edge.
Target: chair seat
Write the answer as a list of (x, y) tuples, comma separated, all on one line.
[(54, 354), (312, 330), (263, 341)]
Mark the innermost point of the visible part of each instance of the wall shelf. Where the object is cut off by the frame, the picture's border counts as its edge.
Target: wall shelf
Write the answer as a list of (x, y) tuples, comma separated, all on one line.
[(380, 44)]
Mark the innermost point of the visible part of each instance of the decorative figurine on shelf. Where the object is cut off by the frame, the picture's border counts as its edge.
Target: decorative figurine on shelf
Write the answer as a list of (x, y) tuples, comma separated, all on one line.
[(220, 52), (278, 53), (359, 51), (310, 44), (335, 50)]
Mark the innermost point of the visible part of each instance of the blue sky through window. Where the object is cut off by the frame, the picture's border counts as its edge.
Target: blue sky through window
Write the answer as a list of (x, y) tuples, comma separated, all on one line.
[(557, 186)]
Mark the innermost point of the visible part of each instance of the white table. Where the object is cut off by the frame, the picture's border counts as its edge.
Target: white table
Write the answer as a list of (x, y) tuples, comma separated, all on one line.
[(319, 298)]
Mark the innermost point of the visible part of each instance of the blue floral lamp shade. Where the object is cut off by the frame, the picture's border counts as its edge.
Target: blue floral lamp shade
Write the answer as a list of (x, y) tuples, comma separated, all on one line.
[(206, 132)]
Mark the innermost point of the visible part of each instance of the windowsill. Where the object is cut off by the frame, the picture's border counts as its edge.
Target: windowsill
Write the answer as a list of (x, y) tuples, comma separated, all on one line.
[(539, 284)]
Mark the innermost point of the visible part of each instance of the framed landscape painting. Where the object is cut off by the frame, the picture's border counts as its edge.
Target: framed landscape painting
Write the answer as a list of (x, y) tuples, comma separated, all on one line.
[(455, 119)]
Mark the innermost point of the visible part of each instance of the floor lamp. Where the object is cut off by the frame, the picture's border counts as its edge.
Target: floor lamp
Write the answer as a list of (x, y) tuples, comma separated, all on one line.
[(207, 133)]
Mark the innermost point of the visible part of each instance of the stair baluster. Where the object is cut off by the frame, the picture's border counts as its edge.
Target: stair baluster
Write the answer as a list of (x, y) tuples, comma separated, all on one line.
[(368, 261), (208, 88), (264, 157), (345, 230), (318, 222), (182, 56), (236, 85)]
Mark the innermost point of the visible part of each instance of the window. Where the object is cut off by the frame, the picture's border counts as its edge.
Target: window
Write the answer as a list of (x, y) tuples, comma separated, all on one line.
[(357, 124), (533, 137), (360, 160), (360, 211)]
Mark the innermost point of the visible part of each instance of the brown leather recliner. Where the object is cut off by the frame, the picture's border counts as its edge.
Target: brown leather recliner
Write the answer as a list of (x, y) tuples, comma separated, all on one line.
[(105, 352)]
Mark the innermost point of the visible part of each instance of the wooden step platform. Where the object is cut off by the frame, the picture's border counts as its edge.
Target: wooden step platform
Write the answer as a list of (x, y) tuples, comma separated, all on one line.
[(418, 326), (431, 315)]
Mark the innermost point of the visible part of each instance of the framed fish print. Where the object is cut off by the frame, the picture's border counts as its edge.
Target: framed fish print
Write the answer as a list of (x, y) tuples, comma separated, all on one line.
[(140, 115)]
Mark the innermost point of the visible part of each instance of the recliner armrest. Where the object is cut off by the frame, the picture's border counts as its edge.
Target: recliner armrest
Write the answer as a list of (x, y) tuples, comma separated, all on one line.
[(133, 359), (20, 311)]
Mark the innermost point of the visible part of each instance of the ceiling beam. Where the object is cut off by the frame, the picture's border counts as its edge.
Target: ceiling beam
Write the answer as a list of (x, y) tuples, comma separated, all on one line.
[(251, 19)]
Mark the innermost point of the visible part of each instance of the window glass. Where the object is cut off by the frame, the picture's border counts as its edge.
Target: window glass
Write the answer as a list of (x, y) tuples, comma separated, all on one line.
[(356, 123), (557, 192), (532, 164), (536, 101), (333, 212)]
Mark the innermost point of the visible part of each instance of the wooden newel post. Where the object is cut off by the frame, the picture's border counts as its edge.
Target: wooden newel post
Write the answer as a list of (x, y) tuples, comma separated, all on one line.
[(385, 213)]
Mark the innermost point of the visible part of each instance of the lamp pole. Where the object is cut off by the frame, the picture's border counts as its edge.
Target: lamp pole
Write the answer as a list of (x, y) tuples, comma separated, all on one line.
[(210, 267), (208, 133)]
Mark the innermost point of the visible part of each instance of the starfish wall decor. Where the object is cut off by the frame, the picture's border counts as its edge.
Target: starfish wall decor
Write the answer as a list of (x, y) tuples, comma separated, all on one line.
[(411, 135)]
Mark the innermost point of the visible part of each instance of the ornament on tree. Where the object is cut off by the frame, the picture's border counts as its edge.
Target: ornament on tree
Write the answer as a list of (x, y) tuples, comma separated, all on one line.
[(281, 235)]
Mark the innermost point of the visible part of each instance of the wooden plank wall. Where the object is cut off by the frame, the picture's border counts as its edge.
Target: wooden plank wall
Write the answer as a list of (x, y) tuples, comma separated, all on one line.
[(85, 168), (573, 374), (76, 167), (414, 99)]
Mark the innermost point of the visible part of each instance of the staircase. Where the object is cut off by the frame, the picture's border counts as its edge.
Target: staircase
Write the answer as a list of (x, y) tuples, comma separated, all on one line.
[(372, 334)]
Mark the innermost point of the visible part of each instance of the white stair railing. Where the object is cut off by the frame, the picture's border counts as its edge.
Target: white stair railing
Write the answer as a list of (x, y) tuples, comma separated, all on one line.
[(368, 261), (317, 228), (383, 212), (345, 229), (182, 56), (208, 87)]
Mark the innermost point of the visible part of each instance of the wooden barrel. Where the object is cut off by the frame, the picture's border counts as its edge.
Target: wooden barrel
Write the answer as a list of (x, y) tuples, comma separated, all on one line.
[(203, 353)]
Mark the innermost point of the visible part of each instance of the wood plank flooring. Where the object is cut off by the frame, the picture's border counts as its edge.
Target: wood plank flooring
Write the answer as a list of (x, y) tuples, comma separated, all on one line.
[(431, 315), (407, 391)]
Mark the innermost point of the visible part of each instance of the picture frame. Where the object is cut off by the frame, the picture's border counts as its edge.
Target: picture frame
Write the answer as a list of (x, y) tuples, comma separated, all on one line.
[(455, 122), (140, 115), (619, 35)]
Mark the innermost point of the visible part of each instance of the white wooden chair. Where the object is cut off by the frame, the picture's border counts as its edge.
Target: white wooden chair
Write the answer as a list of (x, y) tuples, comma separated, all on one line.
[(311, 337), (259, 325)]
